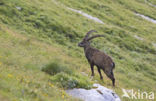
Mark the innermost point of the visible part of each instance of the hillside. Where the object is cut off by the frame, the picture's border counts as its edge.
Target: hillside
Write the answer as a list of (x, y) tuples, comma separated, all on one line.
[(40, 37)]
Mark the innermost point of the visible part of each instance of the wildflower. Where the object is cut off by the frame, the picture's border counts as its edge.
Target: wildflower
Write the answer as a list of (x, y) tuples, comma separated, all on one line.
[(10, 75), (63, 96), (18, 78), (51, 85), (45, 94)]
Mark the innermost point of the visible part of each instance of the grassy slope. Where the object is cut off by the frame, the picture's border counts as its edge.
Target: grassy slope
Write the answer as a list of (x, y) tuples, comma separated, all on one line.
[(59, 30), (21, 61), (153, 1)]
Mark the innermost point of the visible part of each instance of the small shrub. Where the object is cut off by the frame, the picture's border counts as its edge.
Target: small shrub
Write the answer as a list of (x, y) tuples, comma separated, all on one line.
[(66, 77), (71, 81), (55, 67)]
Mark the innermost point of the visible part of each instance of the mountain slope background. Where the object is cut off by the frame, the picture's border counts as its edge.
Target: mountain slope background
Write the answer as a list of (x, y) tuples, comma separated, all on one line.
[(37, 34)]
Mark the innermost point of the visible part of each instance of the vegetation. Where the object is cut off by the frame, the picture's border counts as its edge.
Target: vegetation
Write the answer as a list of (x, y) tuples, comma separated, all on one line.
[(55, 67), (152, 1), (65, 77), (39, 37)]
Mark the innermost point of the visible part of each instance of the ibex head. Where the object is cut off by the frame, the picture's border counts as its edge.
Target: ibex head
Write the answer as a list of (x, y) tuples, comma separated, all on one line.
[(85, 42)]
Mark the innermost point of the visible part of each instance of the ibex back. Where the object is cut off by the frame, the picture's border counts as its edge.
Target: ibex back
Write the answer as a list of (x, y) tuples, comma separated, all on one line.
[(97, 58)]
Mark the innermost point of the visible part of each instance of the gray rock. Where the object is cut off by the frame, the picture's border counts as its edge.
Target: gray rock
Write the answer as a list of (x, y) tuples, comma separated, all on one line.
[(146, 18), (146, 1), (100, 93), (19, 8), (137, 37), (154, 44), (86, 15)]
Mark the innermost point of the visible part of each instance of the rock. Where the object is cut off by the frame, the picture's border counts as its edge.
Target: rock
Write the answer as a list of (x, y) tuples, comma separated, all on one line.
[(137, 37), (19, 8), (154, 44), (146, 18), (80, 12), (150, 3), (100, 93), (86, 15)]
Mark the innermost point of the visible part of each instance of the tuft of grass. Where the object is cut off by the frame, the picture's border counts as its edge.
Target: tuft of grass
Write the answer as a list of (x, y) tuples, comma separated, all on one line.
[(55, 67), (66, 77), (71, 81)]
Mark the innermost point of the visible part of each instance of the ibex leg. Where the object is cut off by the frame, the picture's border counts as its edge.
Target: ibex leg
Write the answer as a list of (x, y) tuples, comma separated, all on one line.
[(100, 73), (92, 69), (111, 76)]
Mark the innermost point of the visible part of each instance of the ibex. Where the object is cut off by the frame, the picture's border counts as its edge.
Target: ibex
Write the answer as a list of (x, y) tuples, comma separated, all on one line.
[(97, 58)]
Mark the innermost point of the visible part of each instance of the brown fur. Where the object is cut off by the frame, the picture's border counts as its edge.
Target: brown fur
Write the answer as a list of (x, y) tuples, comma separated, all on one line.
[(98, 58)]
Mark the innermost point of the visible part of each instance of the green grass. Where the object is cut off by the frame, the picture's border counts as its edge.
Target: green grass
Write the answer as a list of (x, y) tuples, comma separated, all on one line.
[(21, 76), (66, 77), (44, 34), (56, 67), (153, 2)]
